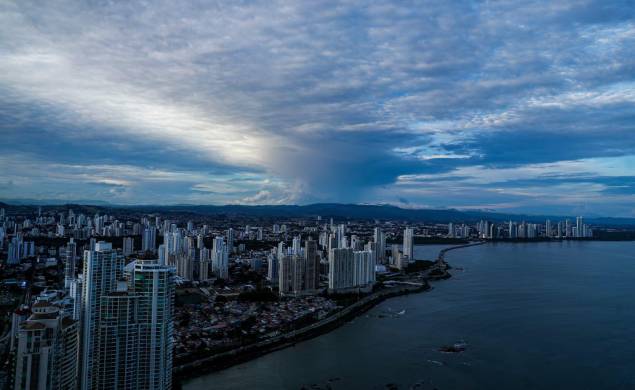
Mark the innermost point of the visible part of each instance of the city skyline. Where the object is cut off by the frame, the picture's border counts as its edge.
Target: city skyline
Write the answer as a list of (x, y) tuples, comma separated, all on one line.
[(514, 107)]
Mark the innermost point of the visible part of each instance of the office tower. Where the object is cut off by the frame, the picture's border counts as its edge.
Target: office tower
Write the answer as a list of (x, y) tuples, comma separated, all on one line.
[(340, 268), (272, 268), (149, 241), (70, 261), (126, 322), (312, 260), (128, 246), (407, 243), (47, 343)]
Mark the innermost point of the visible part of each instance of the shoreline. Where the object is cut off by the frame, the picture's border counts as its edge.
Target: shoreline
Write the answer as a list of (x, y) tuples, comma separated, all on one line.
[(223, 360)]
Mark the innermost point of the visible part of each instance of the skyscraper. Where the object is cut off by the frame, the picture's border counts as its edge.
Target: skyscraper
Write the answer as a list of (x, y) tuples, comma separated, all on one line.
[(128, 246), (312, 277), (285, 274), (272, 267), (380, 241), (103, 269), (46, 356), (220, 258), (407, 244), (149, 240), (126, 322), (153, 285), (579, 224), (70, 261), (340, 268)]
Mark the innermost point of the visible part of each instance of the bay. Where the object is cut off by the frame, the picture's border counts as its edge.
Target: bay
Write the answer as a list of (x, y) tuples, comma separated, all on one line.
[(532, 316)]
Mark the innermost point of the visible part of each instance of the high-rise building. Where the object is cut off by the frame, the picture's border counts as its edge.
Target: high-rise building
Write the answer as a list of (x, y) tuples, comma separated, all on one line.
[(380, 247), (103, 269), (272, 267), (512, 230), (128, 246), (296, 245), (298, 273), (149, 239), (230, 240), (70, 263), (285, 274), (126, 322), (220, 258), (341, 236), (184, 266), (579, 224), (153, 285), (259, 234), (363, 268), (312, 260), (204, 264), (340, 268), (46, 353), (407, 244), (351, 269)]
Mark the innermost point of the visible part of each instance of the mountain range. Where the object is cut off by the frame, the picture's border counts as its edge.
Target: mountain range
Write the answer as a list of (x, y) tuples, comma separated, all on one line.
[(337, 211)]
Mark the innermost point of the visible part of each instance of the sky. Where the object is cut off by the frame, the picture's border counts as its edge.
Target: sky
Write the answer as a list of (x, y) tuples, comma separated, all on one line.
[(512, 106)]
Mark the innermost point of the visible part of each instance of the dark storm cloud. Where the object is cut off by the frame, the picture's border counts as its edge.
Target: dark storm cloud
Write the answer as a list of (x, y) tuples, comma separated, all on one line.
[(272, 102)]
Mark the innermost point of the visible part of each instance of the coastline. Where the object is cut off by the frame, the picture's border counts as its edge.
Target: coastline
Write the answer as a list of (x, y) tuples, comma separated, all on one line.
[(243, 354)]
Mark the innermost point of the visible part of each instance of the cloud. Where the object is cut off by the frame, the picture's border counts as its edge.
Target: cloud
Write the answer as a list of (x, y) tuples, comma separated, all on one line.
[(262, 101)]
